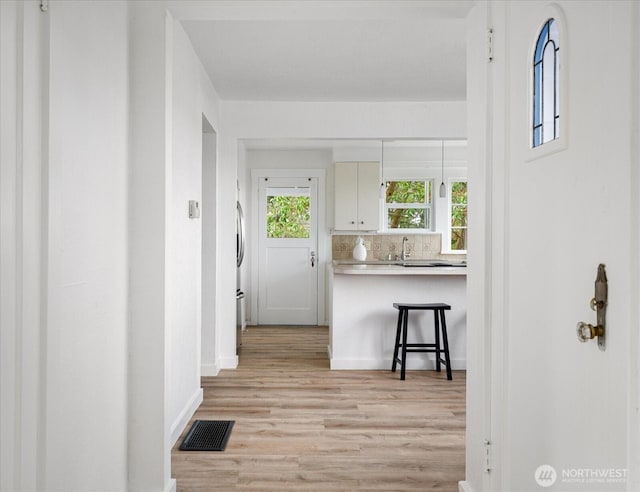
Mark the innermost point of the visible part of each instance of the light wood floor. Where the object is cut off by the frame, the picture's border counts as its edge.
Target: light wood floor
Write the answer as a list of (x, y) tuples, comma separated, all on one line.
[(300, 426)]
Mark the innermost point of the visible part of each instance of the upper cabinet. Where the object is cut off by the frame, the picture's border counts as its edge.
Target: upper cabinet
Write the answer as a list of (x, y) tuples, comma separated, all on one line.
[(357, 196)]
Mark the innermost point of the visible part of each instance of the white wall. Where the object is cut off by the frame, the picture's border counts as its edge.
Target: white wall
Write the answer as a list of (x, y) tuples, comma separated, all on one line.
[(245, 120), (85, 366), (209, 238), (169, 96), (184, 289), (96, 151)]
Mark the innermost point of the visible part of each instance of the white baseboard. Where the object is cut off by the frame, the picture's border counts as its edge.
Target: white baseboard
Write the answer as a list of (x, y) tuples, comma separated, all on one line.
[(416, 364), (187, 412), (170, 485), (464, 486), (209, 370), (229, 362), (359, 364)]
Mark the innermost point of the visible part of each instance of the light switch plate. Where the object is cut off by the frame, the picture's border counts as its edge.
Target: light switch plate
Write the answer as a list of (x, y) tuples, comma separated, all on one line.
[(194, 209)]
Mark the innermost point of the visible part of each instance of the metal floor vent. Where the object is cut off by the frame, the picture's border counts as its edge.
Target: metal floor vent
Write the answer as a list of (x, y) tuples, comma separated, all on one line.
[(208, 435)]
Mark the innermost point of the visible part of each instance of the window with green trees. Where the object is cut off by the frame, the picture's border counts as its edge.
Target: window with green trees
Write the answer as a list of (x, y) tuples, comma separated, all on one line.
[(408, 204), (288, 216), (458, 215)]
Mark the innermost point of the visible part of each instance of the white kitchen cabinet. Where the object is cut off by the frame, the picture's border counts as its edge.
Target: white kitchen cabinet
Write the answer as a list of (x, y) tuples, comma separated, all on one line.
[(357, 196)]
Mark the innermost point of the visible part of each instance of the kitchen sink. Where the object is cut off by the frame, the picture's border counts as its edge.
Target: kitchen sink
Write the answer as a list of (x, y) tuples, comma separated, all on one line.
[(433, 263)]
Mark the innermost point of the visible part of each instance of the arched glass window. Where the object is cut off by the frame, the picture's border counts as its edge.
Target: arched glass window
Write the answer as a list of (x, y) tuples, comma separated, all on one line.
[(546, 85)]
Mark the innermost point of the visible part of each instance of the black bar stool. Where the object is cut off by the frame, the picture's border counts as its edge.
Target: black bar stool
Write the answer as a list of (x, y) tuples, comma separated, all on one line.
[(438, 320)]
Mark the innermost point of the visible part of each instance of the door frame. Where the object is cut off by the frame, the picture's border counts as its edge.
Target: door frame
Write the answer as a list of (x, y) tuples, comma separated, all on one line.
[(267, 313), (252, 236)]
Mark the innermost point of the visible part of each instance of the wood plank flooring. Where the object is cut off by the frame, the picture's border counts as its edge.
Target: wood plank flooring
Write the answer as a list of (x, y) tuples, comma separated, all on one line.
[(300, 426)]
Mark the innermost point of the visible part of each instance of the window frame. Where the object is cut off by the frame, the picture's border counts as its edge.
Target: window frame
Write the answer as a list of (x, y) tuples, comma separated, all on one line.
[(428, 206), (446, 235), (561, 143)]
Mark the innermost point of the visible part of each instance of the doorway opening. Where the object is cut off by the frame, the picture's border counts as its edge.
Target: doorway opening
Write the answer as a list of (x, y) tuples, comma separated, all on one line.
[(209, 237)]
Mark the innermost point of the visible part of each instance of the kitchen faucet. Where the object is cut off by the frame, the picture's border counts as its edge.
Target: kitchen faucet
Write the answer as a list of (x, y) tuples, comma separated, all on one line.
[(405, 254)]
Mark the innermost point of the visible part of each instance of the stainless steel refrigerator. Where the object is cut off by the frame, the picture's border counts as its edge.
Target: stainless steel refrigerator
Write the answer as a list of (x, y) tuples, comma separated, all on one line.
[(240, 243)]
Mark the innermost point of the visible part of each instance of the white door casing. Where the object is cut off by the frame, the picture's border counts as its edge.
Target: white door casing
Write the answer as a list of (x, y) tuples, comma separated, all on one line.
[(288, 267)]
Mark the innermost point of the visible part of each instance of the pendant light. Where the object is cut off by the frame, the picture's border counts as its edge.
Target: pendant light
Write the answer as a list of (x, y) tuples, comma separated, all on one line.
[(443, 188), (383, 188)]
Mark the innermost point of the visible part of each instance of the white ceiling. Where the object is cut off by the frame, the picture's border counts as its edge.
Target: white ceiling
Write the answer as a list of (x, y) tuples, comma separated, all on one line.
[(331, 50)]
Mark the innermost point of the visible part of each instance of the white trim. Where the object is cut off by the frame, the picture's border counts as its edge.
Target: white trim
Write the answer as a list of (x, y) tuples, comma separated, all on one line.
[(180, 423), (464, 486), (446, 235), (427, 206), (323, 258), (633, 452), (228, 362), (497, 244), (170, 486), (413, 364), (208, 370)]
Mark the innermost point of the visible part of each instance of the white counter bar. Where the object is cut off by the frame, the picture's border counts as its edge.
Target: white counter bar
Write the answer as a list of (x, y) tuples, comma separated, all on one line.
[(363, 321), (390, 269)]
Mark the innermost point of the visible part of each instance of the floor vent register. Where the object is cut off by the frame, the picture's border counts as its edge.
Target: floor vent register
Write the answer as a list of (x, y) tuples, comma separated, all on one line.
[(208, 435)]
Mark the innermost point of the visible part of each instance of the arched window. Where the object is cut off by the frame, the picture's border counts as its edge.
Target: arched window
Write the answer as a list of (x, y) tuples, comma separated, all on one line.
[(546, 85)]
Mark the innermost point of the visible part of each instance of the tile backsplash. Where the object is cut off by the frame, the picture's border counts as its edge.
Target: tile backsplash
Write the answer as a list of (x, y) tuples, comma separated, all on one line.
[(420, 246)]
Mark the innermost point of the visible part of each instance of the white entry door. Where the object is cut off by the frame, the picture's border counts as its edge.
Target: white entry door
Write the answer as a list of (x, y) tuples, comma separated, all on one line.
[(288, 245), (559, 210)]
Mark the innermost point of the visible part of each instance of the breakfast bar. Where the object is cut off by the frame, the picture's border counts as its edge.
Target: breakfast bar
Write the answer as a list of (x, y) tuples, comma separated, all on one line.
[(363, 321)]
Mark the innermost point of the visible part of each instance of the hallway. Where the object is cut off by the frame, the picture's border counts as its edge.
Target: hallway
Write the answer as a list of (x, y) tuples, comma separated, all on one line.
[(300, 426)]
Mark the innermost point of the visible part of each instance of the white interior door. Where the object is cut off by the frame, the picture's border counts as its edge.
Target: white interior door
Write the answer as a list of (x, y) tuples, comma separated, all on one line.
[(567, 207), (288, 245)]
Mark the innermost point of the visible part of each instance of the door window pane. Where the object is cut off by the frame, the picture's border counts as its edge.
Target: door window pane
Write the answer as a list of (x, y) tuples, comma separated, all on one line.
[(288, 213), (546, 85)]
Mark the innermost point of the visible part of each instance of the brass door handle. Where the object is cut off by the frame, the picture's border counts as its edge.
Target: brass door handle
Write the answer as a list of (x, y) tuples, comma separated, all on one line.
[(587, 331)]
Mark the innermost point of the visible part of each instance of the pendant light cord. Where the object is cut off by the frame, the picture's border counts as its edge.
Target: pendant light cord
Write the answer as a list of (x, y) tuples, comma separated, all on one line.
[(382, 187), (443, 188)]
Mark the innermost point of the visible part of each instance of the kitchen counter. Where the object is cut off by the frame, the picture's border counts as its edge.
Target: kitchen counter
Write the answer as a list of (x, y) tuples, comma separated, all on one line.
[(398, 268), (363, 320)]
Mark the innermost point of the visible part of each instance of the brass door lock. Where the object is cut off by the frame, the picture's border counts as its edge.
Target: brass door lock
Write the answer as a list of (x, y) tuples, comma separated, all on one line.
[(588, 331)]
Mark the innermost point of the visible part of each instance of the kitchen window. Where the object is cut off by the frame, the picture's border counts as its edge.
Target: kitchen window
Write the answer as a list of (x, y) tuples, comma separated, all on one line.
[(408, 205), (458, 215)]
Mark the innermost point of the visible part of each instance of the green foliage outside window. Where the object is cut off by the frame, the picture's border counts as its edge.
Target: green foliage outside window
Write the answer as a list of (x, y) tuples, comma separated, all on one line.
[(288, 216), (459, 215), (403, 194), (407, 218)]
